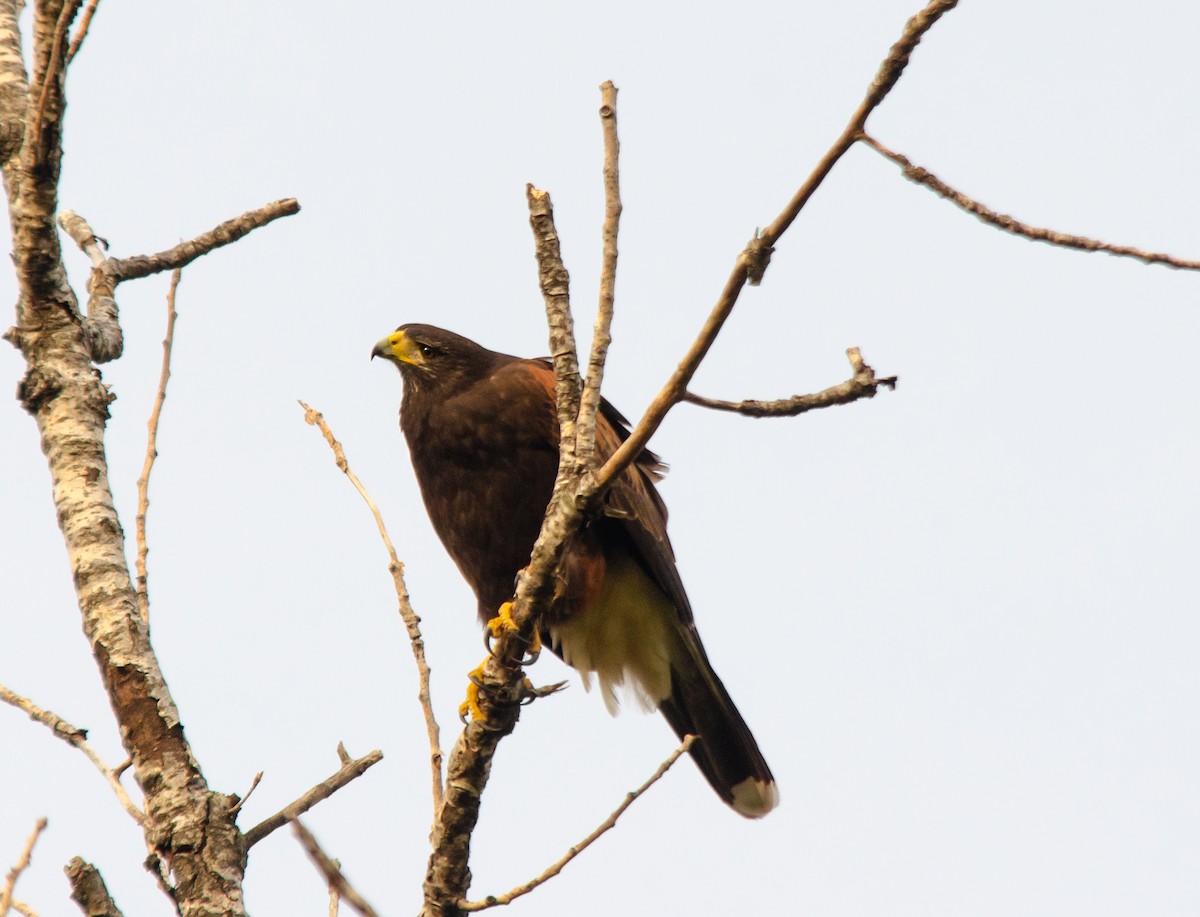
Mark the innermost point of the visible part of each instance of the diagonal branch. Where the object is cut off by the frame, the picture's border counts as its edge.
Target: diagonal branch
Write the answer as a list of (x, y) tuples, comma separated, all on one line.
[(863, 384), (332, 872), (85, 22), (10, 882), (753, 260), (1009, 224), (411, 622), (75, 737), (555, 868), (351, 768)]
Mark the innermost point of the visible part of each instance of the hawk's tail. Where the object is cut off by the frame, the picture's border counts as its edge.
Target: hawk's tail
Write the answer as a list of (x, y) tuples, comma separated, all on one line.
[(726, 753)]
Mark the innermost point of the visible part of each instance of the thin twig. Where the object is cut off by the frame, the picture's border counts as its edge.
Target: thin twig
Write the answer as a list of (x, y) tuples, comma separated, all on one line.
[(22, 908), (1010, 224), (65, 17), (753, 260), (585, 433), (555, 868), (78, 738), (332, 873), (89, 891), (250, 792), (350, 769), (863, 384), (143, 482), (411, 622), (10, 882), (85, 22)]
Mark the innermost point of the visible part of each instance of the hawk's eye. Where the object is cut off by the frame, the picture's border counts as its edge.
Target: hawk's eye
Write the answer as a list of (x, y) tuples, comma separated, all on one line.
[(426, 350)]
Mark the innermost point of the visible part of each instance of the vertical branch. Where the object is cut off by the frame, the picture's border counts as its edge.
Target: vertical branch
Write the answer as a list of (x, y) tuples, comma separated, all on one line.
[(585, 435), (52, 82), (143, 483), (555, 284)]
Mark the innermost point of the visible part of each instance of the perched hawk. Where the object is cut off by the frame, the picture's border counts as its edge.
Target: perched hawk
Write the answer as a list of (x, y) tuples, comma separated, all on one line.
[(482, 431)]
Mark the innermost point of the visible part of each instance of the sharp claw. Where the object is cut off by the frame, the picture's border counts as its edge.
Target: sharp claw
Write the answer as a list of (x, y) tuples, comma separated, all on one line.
[(471, 704)]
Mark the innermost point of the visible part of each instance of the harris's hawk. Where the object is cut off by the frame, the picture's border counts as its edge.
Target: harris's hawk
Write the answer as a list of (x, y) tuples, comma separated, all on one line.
[(482, 431)]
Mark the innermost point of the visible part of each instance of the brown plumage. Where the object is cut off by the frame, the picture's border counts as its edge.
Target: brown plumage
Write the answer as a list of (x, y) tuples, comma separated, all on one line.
[(483, 436)]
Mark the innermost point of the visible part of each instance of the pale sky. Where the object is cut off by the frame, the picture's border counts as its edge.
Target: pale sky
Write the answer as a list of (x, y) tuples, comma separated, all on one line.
[(961, 618)]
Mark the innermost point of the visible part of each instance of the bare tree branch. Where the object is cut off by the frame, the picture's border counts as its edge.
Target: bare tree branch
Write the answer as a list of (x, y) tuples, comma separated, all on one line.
[(185, 253), (585, 435), (1012, 225), (351, 768), (89, 891), (103, 330), (187, 826), (51, 81), (10, 882), (22, 908), (85, 22), (753, 260), (863, 384), (555, 868), (77, 738), (331, 871), (143, 482), (411, 621)]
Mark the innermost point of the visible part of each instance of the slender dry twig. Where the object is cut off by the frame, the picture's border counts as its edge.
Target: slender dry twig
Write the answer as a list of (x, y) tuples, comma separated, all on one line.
[(10, 882), (143, 482), (585, 434), (753, 260), (555, 868), (1010, 224), (863, 384), (332, 873), (85, 22), (22, 908), (89, 891), (411, 622), (78, 738), (350, 769), (250, 792)]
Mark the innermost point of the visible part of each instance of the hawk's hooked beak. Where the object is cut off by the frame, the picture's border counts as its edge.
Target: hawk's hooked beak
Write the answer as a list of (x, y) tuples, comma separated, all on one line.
[(399, 348)]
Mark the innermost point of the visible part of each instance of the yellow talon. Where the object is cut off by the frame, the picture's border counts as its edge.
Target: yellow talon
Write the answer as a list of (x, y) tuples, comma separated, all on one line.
[(503, 621), (471, 704)]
